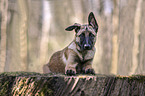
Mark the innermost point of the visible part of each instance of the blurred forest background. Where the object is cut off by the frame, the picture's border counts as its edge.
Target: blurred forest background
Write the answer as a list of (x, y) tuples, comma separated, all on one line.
[(32, 30)]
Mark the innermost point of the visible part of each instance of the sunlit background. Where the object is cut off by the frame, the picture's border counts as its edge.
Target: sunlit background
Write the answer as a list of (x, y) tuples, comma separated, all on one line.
[(32, 30)]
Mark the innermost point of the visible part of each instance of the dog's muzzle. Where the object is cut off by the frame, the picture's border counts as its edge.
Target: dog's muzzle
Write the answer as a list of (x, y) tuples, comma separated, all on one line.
[(87, 46)]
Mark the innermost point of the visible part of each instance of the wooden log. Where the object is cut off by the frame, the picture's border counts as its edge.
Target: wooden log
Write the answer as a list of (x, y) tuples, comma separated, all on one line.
[(24, 84)]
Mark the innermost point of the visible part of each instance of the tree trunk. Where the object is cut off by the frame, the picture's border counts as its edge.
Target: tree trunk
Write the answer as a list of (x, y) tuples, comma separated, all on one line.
[(3, 36), (23, 28), (60, 85)]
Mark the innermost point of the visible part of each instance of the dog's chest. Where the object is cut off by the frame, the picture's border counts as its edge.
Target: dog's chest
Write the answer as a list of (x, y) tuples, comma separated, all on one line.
[(86, 55)]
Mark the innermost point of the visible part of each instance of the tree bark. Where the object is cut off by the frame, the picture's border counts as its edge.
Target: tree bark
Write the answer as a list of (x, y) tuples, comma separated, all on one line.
[(60, 85), (3, 35)]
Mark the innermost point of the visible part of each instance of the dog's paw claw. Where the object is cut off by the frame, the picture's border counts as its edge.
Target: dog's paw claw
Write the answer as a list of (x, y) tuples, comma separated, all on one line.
[(70, 72), (90, 71)]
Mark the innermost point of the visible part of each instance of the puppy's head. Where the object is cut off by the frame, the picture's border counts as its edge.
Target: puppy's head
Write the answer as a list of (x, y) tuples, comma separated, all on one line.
[(85, 36)]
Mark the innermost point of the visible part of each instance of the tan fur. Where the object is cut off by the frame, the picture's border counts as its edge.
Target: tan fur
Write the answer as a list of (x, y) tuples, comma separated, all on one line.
[(66, 59), (56, 63)]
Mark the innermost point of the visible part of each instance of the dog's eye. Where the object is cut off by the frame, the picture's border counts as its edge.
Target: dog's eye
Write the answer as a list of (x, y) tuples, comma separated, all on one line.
[(82, 35), (91, 35)]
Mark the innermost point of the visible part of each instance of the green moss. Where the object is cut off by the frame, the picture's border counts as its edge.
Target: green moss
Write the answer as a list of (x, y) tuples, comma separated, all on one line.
[(138, 78), (19, 74), (46, 91), (3, 88)]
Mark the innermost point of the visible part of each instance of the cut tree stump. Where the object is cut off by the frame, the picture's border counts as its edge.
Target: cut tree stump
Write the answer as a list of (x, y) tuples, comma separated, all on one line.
[(31, 84)]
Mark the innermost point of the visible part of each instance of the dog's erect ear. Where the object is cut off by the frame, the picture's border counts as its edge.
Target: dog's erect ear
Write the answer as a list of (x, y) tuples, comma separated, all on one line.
[(76, 26), (92, 21)]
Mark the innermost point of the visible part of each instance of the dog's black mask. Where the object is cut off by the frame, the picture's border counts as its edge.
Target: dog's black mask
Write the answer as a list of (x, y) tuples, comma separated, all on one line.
[(87, 40)]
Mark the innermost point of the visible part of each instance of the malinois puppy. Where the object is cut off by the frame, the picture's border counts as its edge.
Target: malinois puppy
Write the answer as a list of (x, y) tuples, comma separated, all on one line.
[(77, 57)]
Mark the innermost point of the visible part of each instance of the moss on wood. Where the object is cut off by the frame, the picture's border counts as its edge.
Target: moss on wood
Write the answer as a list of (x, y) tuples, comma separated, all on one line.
[(30, 83)]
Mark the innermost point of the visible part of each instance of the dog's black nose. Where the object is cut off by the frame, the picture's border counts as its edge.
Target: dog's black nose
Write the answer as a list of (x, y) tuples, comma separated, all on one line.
[(87, 47)]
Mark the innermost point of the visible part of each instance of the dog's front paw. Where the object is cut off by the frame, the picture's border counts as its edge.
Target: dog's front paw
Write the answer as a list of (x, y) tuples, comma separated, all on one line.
[(89, 71), (70, 72)]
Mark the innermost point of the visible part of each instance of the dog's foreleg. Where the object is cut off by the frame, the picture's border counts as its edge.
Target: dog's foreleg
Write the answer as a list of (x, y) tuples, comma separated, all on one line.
[(70, 69), (87, 67), (71, 64)]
